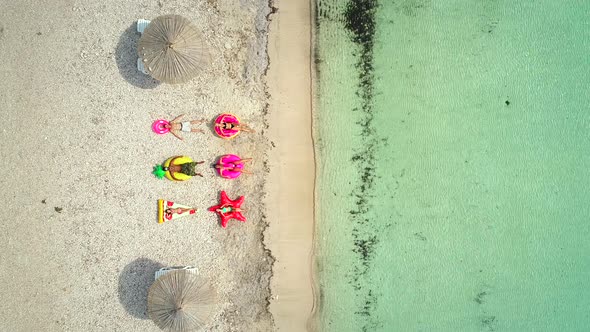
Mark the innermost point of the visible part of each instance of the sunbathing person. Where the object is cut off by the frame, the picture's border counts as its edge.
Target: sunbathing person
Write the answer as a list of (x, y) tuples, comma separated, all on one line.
[(170, 211), (234, 166), (185, 126), (234, 126), (228, 209), (186, 168)]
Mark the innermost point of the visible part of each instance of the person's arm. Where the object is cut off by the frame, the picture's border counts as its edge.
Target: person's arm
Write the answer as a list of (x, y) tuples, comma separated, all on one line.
[(200, 162), (199, 174), (177, 118), (173, 132)]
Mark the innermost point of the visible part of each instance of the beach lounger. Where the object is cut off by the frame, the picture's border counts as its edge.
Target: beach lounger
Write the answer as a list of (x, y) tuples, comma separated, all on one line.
[(165, 270), (141, 25), (141, 67)]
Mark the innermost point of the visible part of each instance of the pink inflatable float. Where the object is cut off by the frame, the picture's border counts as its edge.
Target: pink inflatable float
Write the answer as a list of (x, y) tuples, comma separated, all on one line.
[(227, 163), (159, 127), (220, 128)]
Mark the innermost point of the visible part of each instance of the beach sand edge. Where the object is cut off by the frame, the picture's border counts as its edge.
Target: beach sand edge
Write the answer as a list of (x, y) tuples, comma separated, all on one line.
[(291, 182)]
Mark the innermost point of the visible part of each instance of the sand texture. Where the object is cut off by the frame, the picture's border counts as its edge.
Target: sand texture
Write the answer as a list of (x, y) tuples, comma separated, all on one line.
[(80, 241), (292, 169)]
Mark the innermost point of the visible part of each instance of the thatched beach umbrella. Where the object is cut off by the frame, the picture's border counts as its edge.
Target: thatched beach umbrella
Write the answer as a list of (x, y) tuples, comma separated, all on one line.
[(172, 49), (181, 301)]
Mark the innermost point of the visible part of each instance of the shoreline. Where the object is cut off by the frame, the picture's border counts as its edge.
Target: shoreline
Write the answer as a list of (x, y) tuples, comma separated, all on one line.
[(291, 184)]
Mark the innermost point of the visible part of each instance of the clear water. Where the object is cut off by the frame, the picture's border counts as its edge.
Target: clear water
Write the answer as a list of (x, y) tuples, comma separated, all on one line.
[(453, 144)]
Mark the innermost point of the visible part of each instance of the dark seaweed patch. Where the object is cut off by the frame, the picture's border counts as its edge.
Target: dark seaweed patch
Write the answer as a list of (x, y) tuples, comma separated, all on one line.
[(489, 322), (420, 236), (368, 304), (359, 20), (366, 249), (480, 297)]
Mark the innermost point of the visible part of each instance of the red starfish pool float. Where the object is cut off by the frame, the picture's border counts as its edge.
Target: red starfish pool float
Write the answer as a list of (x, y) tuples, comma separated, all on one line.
[(228, 203)]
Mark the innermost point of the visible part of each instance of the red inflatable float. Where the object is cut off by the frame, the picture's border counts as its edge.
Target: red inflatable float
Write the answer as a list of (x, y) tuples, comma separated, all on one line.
[(229, 209)]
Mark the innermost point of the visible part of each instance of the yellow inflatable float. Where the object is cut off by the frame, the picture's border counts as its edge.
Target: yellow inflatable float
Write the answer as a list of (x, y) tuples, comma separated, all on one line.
[(179, 168)]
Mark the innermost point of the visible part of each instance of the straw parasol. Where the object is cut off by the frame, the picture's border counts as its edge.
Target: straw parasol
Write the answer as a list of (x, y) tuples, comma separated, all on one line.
[(181, 301), (172, 49)]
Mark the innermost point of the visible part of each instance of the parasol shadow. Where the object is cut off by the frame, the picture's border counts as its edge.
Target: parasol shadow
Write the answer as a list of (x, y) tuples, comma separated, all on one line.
[(126, 58), (134, 283)]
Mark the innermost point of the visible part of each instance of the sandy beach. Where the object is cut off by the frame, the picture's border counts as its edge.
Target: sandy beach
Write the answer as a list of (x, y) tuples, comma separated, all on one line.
[(292, 172), (80, 243)]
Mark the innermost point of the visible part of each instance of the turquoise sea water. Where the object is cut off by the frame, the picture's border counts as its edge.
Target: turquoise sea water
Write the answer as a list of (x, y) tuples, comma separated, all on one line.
[(453, 145)]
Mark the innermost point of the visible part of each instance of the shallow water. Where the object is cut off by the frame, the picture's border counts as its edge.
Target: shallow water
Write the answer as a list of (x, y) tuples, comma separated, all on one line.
[(453, 143)]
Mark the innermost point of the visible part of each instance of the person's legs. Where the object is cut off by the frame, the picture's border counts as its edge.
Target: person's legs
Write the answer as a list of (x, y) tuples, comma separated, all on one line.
[(244, 127), (241, 170), (196, 130)]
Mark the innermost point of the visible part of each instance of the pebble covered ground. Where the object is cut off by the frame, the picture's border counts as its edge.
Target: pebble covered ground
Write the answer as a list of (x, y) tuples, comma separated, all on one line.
[(81, 242)]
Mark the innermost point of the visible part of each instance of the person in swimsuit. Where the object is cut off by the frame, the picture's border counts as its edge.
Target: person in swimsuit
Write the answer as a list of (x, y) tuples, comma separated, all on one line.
[(234, 126), (186, 168), (169, 212), (185, 126), (233, 166), (228, 209)]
